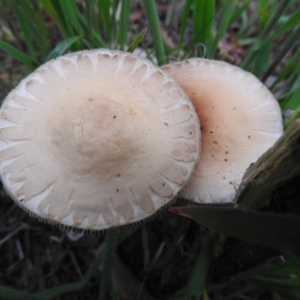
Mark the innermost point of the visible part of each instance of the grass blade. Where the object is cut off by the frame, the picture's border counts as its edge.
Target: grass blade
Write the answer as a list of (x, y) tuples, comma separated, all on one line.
[(62, 47), (266, 35), (261, 62), (108, 26), (60, 290), (203, 17), (268, 229), (288, 44), (196, 282), (111, 243), (292, 102), (24, 25), (293, 21), (137, 40), (96, 39), (124, 24), (113, 238), (203, 21), (18, 55), (263, 13), (227, 14), (184, 21), (11, 294), (62, 17), (151, 11)]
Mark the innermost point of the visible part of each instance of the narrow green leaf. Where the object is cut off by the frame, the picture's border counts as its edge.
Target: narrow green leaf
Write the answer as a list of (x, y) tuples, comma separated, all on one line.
[(137, 40), (274, 281), (124, 24), (203, 20), (70, 11), (267, 270), (227, 13), (151, 11), (18, 55), (238, 13), (76, 286), (292, 21), (107, 26), (261, 62), (96, 39), (273, 20), (184, 21), (196, 282), (62, 47), (268, 229), (292, 102), (51, 12), (266, 34), (24, 25), (290, 73), (60, 290), (263, 13), (288, 43), (111, 243), (62, 17), (41, 34), (11, 294)]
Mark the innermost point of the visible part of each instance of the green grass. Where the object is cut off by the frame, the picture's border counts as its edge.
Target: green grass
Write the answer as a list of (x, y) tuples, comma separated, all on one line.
[(169, 257)]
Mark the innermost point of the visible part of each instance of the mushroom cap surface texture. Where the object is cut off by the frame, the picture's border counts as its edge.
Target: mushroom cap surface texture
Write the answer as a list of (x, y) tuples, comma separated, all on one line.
[(240, 120), (97, 139)]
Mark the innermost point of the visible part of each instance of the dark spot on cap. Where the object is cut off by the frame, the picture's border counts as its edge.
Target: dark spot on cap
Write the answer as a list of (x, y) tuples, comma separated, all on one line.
[(118, 175), (114, 117), (91, 99), (21, 200), (211, 132), (117, 190), (215, 142), (249, 136), (163, 184), (225, 159), (166, 124), (190, 132), (226, 152)]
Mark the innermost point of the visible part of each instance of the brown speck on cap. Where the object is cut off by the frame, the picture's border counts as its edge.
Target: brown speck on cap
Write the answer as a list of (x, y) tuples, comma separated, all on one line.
[(70, 153), (239, 108)]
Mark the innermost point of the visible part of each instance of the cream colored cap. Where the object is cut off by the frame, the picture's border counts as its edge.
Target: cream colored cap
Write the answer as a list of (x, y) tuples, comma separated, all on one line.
[(97, 139), (240, 120)]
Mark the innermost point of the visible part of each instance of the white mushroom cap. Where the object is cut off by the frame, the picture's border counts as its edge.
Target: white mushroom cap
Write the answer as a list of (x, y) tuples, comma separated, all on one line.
[(97, 139), (240, 120)]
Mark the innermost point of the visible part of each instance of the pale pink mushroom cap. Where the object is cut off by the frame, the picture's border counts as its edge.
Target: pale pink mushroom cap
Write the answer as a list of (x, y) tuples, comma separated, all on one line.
[(240, 119), (97, 139)]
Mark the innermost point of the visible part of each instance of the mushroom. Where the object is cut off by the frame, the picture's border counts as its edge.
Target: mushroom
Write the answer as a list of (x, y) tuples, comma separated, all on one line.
[(240, 120), (97, 139)]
